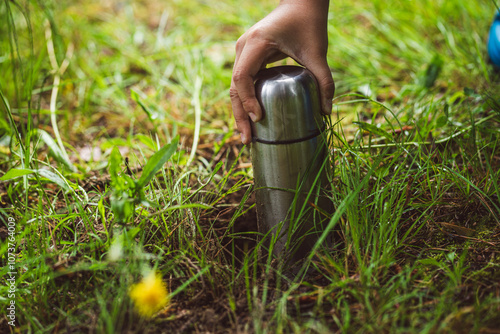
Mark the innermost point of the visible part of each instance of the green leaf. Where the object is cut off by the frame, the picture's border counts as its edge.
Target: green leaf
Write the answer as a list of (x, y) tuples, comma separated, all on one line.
[(53, 177), (147, 141), (122, 207), (112, 142), (54, 149), (13, 173), (469, 91), (430, 262), (114, 165), (4, 125), (373, 129), (132, 233), (149, 204), (152, 115), (441, 121), (433, 70), (156, 162)]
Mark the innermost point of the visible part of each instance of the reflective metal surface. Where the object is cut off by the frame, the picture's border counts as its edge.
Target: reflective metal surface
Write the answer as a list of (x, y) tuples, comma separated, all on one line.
[(290, 101), (289, 152)]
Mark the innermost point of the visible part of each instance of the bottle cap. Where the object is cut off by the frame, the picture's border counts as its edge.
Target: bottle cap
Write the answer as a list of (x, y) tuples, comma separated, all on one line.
[(290, 102)]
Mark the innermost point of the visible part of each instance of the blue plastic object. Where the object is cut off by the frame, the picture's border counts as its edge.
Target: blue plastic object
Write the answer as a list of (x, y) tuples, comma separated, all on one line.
[(494, 41)]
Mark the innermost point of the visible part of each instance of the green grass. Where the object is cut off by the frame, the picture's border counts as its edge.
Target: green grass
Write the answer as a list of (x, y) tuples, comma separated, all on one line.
[(414, 141)]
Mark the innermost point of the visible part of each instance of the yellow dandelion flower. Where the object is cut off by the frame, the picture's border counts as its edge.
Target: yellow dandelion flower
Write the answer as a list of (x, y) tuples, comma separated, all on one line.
[(149, 295)]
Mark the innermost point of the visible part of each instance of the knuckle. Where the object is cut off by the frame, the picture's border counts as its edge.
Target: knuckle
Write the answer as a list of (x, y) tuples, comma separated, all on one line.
[(250, 104), (240, 43), (233, 93), (239, 75), (328, 85), (240, 118), (259, 37), (255, 33), (246, 102)]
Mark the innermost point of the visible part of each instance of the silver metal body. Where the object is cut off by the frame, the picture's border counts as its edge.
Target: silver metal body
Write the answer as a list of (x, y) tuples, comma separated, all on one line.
[(288, 157)]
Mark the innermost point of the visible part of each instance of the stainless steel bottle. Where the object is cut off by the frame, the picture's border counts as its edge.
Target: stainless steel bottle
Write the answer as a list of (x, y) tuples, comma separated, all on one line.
[(288, 157)]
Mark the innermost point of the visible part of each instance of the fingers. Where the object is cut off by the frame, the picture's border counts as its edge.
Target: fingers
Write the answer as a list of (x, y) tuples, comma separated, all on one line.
[(242, 86), (249, 61), (251, 56), (319, 68), (241, 117)]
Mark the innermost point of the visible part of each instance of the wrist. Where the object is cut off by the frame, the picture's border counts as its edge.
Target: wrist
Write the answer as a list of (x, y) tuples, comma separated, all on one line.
[(324, 4), (318, 8)]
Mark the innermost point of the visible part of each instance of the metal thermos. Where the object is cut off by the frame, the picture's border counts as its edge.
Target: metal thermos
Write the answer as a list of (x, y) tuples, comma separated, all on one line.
[(288, 157)]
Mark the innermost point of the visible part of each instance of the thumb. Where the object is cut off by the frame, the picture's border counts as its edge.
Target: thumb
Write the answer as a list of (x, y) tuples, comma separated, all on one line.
[(319, 68)]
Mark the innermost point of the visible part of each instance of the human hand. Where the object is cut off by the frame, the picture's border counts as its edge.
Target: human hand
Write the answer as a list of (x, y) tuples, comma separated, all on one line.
[(296, 29)]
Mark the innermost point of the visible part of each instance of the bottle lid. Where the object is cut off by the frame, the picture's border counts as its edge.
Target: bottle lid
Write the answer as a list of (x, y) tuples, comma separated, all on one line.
[(290, 102)]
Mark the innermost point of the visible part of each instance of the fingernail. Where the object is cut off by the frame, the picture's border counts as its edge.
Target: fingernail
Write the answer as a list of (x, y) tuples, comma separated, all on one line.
[(328, 107), (253, 117), (243, 138)]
